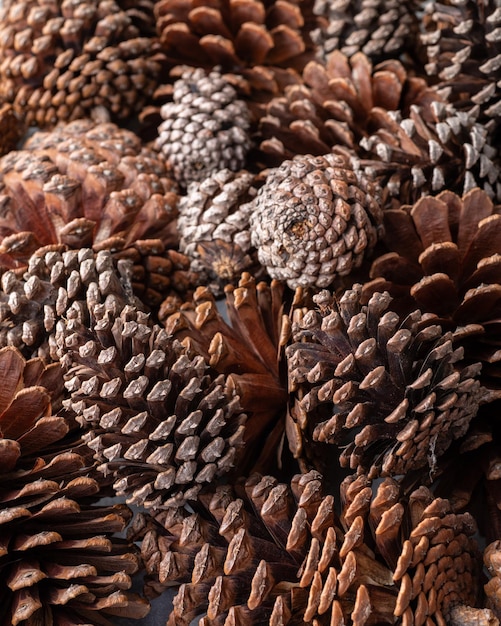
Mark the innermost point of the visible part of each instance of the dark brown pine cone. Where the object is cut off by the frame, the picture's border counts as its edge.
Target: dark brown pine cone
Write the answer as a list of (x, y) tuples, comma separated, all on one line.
[(279, 556), (389, 391), (463, 49), (246, 346), (434, 147), (261, 40), (57, 284), (60, 561), (379, 28), (86, 184), (214, 229), (444, 257), (315, 218), (160, 422), (204, 128), (11, 128), (66, 60), (334, 104)]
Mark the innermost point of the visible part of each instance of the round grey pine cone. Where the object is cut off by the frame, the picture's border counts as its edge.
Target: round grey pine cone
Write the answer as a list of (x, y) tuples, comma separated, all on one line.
[(314, 219), (205, 127)]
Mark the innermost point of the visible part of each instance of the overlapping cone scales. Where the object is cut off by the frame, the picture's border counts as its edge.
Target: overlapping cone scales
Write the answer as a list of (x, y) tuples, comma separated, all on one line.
[(389, 391), (380, 29), (279, 555), (205, 128), (66, 60), (160, 422), (88, 184), (58, 558), (315, 218)]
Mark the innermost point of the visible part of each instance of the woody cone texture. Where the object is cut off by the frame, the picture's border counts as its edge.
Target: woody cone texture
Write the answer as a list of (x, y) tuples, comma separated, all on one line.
[(59, 561), (315, 218), (65, 60), (390, 392)]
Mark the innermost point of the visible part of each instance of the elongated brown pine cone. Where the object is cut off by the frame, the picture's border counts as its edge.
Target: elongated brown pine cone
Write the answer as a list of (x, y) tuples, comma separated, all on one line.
[(463, 49), (334, 104), (60, 562), (380, 29), (214, 228), (278, 555), (261, 40), (390, 392), (160, 422), (57, 284), (315, 218), (204, 128), (86, 184), (66, 60), (444, 257), (246, 346), (11, 128)]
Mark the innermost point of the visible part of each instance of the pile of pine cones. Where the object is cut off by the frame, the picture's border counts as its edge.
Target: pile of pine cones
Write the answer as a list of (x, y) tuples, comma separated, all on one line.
[(250, 312)]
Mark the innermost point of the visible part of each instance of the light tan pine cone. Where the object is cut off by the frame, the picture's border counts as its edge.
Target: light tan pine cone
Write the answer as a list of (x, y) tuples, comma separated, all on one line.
[(278, 555), (314, 219), (66, 60), (60, 559), (160, 422), (205, 128), (389, 391)]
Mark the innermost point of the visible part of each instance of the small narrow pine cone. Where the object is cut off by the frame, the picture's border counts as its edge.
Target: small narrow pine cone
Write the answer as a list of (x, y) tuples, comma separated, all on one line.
[(278, 555), (88, 184), (56, 284), (205, 128), (332, 106), (67, 60), (434, 147), (161, 423), (463, 50), (261, 40), (389, 391), (11, 128), (314, 219), (246, 346), (380, 29), (60, 561), (214, 229), (444, 257)]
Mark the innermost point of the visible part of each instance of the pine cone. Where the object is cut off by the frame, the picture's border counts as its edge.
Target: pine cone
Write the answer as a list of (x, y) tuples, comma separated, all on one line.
[(60, 562), (214, 230), (334, 103), (443, 257), (58, 283), (463, 48), (161, 423), (66, 60), (11, 129), (205, 127), (390, 391), (380, 29), (87, 184), (314, 219), (278, 555), (254, 38), (436, 147)]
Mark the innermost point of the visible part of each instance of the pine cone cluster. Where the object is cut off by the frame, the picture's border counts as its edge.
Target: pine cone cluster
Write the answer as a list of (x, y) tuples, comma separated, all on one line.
[(66, 60), (204, 128), (315, 218)]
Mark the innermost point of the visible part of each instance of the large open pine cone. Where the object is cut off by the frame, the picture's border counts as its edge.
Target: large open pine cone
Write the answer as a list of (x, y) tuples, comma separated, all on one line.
[(86, 184), (64, 60), (60, 561), (278, 556), (389, 391), (315, 218), (160, 422), (204, 128)]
